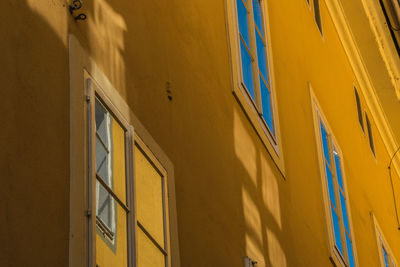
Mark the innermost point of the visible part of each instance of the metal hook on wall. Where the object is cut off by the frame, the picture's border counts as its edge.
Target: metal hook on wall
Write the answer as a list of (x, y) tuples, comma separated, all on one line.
[(77, 4)]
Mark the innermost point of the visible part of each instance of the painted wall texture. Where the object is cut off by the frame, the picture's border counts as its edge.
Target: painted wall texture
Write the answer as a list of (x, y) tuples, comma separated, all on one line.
[(231, 199)]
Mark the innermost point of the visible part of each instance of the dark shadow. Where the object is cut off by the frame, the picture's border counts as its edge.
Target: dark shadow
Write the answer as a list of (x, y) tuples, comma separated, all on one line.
[(34, 139)]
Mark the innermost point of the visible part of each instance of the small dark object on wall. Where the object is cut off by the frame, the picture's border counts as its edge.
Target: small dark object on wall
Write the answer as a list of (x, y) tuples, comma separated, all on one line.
[(169, 92), (77, 4)]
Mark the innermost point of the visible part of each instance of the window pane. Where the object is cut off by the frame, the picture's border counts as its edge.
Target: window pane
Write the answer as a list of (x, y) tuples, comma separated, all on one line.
[(243, 22), (360, 116), (338, 169), (330, 185), (370, 136), (266, 106), (325, 143), (317, 15), (350, 251), (102, 123), (118, 160), (336, 228), (148, 254), (149, 197), (247, 70), (110, 165), (103, 163), (258, 15), (261, 57), (113, 252), (105, 207), (385, 257), (344, 212)]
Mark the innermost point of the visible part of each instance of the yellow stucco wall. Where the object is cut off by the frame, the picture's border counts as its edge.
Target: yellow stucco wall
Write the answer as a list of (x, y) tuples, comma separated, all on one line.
[(34, 140), (232, 200)]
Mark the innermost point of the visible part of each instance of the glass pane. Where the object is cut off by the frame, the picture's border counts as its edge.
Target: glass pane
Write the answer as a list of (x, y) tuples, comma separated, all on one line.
[(113, 252), (110, 165), (336, 229), (330, 185), (102, 123), (262, 59), (350, 251), (344, 212), (243, 22), (149, 197), (338, 169), (266, 106), (105, 207), (247, 70), (371, 140), (317, 15), (118, 160), (148, 254), (325, 143), (360, 116), (385, 257), (258, 15), (103, 163)]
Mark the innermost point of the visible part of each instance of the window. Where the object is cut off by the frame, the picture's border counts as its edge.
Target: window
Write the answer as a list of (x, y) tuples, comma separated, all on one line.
[(367, 121), (385, 255), (112, 207), (106, 139), (317, 15), (254, 61), (151, 226), (252, 71), (335, 195), (337, 199), (359, 109), (105, 203), (131, 215), (370, 136), (315, 6)]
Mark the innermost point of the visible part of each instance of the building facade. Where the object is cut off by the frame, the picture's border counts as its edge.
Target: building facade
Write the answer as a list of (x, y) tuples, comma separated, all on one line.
[(200, 133)]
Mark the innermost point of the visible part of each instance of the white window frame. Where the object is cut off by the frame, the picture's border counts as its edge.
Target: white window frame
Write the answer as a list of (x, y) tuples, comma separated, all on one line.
[(138, 142), (381, 243), (271, 141), (131, 140), (94, 91), (334, 254)]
